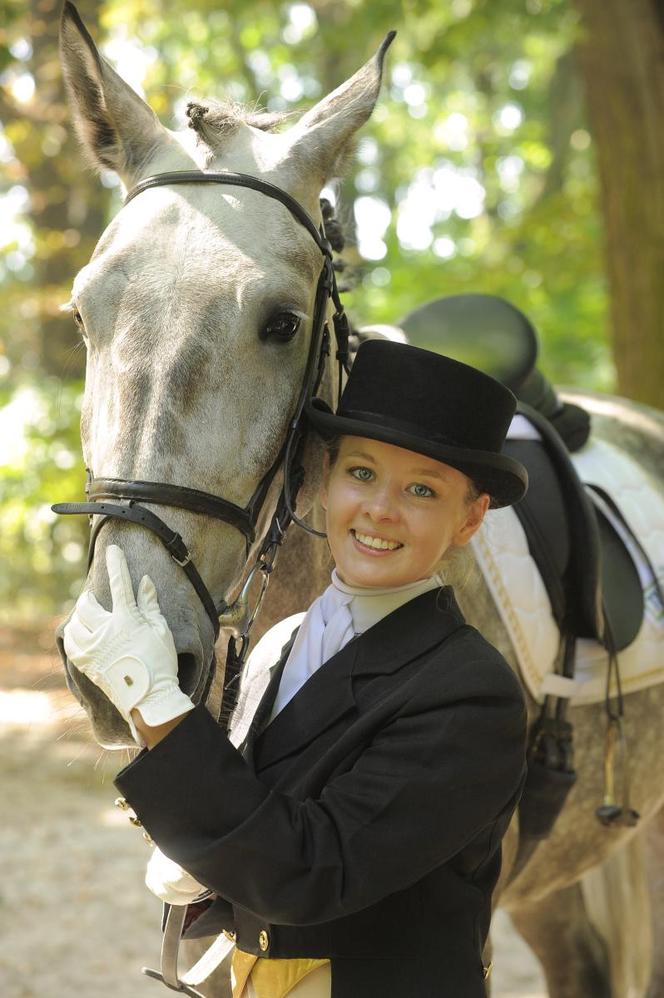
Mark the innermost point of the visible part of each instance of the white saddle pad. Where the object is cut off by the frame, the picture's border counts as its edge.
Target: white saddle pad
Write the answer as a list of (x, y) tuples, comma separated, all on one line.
[(501, 549)]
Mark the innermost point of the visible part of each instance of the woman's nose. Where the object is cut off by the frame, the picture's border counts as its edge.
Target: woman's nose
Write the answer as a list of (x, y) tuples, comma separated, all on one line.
[(382, 505)]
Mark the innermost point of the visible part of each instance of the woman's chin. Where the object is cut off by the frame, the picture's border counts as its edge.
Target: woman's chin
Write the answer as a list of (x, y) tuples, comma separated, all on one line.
[(375, 573)]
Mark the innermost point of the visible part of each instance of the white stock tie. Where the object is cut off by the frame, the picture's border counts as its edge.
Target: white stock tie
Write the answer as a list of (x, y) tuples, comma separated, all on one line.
[(332, 620), (326, 628), (338, 620)]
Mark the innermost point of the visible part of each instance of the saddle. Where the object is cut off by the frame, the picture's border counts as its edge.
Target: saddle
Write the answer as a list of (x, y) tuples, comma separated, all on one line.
[(591, 580), (589, 575)]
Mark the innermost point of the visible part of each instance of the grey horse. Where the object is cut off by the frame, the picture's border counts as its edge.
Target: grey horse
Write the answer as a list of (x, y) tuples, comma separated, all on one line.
[(184, 386)]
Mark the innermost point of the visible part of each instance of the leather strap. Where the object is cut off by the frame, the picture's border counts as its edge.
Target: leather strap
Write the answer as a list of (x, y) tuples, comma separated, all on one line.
[(236, 180), (164, 494), (171, 540)]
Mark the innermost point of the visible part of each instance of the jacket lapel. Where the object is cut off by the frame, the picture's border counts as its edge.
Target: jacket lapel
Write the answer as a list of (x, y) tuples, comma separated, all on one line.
[(408, 632), (327, 696)]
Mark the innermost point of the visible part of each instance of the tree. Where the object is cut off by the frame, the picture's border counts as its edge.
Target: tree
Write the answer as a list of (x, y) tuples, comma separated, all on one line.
[(66, 205), (622, 55)]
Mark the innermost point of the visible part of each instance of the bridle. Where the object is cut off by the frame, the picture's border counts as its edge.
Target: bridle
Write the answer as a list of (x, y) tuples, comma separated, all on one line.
[(236, 616)]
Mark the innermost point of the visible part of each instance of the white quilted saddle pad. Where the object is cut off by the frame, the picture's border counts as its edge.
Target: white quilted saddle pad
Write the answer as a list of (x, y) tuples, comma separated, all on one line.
[(502, 551)]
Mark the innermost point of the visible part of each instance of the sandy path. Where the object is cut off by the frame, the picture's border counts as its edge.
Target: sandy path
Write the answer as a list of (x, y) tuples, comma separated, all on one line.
[(75, 916)]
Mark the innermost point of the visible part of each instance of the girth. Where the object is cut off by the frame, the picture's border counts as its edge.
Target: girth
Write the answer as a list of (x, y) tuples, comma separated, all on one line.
[(130, 493)]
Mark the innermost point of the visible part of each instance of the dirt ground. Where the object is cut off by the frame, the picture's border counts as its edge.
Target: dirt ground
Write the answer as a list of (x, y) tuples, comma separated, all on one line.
[(75, 915)]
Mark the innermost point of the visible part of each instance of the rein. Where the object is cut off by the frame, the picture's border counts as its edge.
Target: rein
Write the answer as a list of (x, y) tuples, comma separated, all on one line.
[(130, 493)]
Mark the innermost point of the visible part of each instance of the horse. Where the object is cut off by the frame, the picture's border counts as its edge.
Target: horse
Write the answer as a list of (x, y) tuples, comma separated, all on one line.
[(197, 311)]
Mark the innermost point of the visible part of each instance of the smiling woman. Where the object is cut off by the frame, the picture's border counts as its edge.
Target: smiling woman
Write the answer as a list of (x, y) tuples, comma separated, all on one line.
[(361, 789), (388, 504)]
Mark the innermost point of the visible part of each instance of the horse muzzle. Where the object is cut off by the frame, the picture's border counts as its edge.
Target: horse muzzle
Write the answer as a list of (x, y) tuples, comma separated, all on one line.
[(109, 728)]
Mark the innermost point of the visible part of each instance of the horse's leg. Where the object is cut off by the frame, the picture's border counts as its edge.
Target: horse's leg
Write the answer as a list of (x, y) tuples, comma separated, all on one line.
[(654, 856), (571, 951), (617, 900)]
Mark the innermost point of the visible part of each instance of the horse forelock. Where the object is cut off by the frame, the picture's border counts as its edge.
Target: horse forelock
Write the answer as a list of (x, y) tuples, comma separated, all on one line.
[(214, 120)]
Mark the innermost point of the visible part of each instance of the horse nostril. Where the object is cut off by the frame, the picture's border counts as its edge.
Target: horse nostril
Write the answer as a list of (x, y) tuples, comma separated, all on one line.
[(187, 676)]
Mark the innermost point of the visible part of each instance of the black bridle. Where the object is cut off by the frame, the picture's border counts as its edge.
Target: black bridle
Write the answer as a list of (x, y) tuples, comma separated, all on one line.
[(130, 493)]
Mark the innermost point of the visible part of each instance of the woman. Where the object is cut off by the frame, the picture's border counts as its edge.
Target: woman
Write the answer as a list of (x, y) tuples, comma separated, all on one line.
[(353, 840)]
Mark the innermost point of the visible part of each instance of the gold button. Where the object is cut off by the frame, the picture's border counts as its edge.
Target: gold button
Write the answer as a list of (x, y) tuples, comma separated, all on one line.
[(487, 970), (148, 838), (229, 935), (135, 821), (263, 940), (121, 803)]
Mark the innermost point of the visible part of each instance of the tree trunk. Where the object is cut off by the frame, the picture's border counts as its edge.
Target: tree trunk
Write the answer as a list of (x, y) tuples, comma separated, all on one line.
[(622, 59), (67, 203)]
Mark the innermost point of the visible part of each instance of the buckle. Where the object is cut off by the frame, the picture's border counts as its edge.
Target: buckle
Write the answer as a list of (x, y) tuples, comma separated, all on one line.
[(182, 563), (176, 546)]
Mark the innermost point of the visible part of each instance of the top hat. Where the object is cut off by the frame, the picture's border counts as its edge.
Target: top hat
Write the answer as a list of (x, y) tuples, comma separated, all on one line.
[(430, 404)]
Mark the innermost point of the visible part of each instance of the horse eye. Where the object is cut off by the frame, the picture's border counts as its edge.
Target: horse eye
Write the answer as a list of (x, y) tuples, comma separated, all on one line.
[(78, 318), (282, 327)]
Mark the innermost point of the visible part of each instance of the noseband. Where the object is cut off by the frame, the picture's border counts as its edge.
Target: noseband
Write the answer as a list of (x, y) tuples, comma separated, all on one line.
[(131, 493)]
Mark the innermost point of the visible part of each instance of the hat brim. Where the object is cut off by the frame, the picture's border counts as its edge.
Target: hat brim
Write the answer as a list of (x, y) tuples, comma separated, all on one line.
[(505, 479)]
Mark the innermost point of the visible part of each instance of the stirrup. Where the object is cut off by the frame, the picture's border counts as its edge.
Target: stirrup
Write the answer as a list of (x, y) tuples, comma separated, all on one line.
[(201, 970)]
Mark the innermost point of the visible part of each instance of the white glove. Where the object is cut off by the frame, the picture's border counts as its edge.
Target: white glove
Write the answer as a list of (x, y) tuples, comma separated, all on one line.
[(129, 653), (170, 882)]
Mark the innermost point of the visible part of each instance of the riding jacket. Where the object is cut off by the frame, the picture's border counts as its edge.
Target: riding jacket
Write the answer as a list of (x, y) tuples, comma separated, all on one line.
[(363, 823)]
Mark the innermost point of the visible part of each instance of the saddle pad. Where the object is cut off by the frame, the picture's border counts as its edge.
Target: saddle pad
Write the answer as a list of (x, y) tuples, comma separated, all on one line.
[(501, 549)]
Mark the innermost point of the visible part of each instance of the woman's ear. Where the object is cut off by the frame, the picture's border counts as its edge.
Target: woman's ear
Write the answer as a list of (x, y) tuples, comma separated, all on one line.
[(473, 521)]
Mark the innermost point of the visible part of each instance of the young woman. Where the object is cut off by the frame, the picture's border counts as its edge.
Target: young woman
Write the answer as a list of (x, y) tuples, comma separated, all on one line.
[(352, 841)]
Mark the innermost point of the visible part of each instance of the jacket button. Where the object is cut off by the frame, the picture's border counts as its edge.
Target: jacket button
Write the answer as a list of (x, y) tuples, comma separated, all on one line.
[(263, 941)]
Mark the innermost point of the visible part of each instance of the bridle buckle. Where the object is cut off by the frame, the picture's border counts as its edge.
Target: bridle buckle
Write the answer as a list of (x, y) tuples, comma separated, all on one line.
[(181, 562)]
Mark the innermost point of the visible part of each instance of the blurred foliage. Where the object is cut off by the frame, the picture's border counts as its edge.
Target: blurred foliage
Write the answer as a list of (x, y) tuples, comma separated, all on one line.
[(42, 555), (476, 173)]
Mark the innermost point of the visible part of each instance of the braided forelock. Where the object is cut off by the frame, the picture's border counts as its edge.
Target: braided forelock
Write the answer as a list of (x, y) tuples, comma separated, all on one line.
[(213, 120)]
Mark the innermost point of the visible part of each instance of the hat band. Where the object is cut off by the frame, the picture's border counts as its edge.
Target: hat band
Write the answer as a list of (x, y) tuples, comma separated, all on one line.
[(403, 425)]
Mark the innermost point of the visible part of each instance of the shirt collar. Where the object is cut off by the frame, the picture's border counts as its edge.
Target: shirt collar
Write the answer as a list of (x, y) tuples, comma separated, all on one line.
[(368, 606)]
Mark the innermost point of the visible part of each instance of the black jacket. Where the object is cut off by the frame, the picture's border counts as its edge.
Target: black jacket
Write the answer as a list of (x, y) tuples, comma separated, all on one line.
[(364, 822)]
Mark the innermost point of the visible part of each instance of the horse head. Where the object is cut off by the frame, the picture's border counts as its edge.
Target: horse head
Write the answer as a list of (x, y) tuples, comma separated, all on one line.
[(196, 310)]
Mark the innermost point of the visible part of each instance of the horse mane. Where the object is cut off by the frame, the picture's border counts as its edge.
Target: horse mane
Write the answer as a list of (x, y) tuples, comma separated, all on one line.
[(214, 119)]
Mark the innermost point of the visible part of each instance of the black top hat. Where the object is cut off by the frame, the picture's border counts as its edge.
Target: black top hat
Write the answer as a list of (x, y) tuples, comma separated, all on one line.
[(433, 405)]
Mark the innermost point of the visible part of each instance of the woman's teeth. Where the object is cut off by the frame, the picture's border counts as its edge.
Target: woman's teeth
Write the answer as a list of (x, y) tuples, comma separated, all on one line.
[(376, 542)]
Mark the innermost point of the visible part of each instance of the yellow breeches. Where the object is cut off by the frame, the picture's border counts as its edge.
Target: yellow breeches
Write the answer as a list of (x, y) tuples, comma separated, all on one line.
[(273, 978)]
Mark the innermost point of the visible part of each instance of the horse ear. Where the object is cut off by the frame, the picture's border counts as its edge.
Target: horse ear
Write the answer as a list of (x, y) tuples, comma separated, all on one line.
[(116, 127), (324, 133)]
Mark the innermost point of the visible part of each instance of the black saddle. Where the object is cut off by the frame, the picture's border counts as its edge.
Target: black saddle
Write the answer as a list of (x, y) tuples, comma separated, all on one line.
[(589, 575)]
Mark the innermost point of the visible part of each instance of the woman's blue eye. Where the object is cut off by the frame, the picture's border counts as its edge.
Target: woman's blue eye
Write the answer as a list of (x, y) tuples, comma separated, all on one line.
[(362, 474), (422, 491)]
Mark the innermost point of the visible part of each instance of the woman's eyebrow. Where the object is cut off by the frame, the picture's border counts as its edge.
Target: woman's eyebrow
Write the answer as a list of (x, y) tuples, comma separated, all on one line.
[(428, 473), (361, 454)]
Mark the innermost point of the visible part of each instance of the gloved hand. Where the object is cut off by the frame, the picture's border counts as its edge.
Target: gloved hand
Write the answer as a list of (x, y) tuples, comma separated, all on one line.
[(170, 882), (129, 653)]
